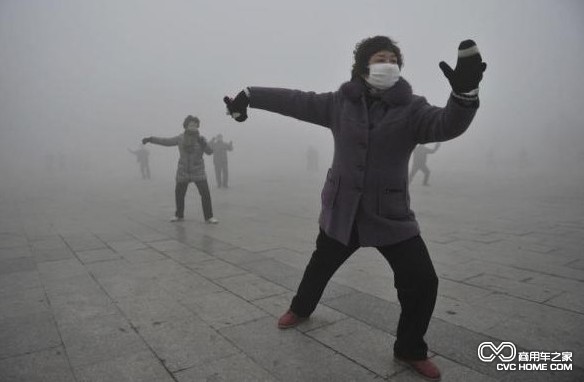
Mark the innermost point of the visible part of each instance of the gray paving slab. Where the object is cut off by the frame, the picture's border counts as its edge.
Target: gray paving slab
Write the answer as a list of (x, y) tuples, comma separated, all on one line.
[(250, 287), (119, 286), (290, 355), (28, 333), (61, 269), (149, 236), (131, 367), (152, 310), (100, 339), (48, 242), (473, 317), (188, 284), (167, 245), (272, 269), (23, 303), (126, 245), (238, 367), (568, 301), (216, 269), (17, 281), (142, 255), (50, 365), (83, 242), (97, 255), (115, 237), (208, 244), (187, 255), (80, 306), (181, 344), (14, 253), (513, 287), (20, 264), (238, 256), (365, 345), (12, 240), (81, 284), (372, 310), (52, 254), (222, 309)]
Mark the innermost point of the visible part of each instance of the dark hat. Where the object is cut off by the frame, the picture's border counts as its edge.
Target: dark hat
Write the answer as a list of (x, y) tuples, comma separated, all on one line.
[(367, 48)]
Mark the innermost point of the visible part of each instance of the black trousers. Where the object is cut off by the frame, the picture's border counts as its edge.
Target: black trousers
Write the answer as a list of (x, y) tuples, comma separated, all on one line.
[(221, 174), (415, 280), (181, 190)]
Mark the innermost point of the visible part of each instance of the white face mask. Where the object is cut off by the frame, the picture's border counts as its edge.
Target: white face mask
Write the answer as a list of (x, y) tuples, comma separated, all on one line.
[(383, 75), (192, 129)]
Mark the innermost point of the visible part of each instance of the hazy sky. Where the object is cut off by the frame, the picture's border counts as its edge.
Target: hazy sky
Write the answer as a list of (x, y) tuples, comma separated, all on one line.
[(90, 78)]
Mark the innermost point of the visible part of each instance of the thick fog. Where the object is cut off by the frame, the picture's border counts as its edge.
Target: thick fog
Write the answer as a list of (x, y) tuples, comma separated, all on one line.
[(82, 82)]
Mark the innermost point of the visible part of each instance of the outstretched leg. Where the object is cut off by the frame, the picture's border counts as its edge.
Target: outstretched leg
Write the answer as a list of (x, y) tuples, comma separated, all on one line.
[(203, 188), (180, 191), (417, 286), (326, 259)]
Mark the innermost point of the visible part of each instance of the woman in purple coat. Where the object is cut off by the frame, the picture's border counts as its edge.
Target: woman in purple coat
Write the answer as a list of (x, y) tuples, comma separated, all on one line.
[(376, 122)]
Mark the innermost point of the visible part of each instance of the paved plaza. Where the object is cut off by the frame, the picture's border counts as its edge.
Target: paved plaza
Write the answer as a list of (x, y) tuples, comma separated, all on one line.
[(97, 285)]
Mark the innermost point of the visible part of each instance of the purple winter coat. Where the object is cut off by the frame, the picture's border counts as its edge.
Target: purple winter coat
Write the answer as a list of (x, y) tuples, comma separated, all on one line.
[(367, 185)]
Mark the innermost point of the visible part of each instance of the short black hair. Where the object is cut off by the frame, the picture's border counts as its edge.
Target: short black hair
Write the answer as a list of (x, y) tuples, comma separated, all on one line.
[(190, 119), (367, 48)]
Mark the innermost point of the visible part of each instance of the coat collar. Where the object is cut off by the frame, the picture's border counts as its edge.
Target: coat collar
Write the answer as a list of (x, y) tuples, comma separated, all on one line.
[(398, 94)]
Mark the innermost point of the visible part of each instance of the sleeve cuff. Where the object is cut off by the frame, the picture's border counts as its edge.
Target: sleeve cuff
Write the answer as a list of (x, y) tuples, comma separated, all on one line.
[(472, 95)]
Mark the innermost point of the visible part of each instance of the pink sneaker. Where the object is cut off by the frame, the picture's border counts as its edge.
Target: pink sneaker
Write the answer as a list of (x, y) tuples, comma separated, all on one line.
[(425, 367), (290, 320)]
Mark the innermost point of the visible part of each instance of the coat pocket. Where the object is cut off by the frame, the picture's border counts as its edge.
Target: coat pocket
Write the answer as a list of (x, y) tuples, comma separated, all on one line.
[(330, 189), (393, 201)]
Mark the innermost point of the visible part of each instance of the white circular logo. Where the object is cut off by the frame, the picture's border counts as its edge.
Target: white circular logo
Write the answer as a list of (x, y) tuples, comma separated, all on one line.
[(487, 351)]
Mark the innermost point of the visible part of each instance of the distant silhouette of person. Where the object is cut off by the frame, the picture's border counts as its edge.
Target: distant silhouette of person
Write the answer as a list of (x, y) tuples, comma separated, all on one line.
[(311, 159), (142, 157), (220, 149), (191, 166), (419, 162)]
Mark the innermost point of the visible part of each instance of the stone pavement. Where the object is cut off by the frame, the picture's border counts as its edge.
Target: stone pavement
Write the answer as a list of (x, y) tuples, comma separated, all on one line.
[(97, 285)]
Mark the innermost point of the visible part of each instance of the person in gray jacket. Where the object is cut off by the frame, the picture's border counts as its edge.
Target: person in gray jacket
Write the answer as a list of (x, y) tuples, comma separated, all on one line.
[(220, 149), (191, 166), (376, 121)]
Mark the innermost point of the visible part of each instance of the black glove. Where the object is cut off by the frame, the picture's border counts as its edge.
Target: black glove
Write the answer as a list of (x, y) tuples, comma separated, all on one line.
[(237, 107), (146, 140), (469, 68)]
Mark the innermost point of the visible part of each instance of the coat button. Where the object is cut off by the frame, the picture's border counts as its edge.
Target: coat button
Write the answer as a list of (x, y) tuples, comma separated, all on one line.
[(363, 145), (360, 167)]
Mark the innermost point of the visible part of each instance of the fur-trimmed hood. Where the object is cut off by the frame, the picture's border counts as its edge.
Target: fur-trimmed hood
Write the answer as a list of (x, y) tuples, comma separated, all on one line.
[(399, 94)]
